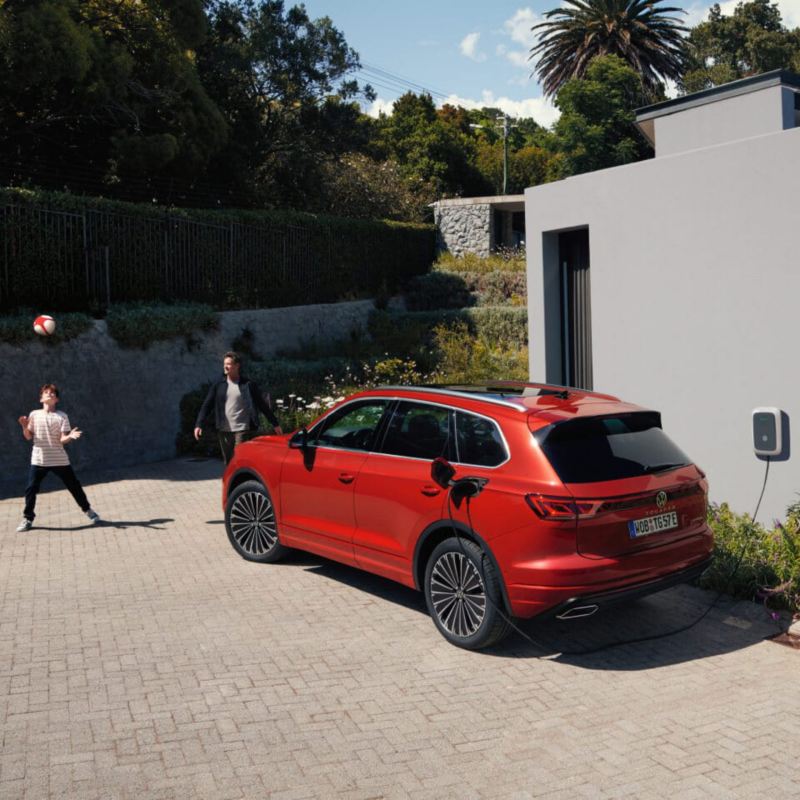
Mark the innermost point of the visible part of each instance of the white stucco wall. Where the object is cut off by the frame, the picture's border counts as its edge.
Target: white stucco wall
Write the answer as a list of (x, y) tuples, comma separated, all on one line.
[(695, 287), (751, 114)]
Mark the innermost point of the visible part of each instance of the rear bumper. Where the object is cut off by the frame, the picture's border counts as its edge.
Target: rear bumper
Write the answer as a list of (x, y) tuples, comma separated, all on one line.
[(588, 604)]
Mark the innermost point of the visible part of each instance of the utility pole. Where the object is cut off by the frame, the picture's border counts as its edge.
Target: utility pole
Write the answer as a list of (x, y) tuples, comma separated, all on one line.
[(503, 126), (504, 121)]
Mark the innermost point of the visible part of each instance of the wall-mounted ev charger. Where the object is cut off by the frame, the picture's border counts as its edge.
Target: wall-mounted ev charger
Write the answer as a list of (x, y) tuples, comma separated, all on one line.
[(769, 432)]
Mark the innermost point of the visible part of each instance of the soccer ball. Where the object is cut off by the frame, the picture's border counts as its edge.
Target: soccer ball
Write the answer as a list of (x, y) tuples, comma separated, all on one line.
[(44, 325)]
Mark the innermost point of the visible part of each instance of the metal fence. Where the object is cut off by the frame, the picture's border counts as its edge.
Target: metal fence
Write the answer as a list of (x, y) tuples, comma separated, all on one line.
[(85, 260)]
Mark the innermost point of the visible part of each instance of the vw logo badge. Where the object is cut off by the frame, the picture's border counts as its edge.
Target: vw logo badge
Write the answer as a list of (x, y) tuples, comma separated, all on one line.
[(661, 499)]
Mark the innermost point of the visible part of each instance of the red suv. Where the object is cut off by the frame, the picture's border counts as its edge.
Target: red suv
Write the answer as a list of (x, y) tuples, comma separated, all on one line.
[(581, 500)]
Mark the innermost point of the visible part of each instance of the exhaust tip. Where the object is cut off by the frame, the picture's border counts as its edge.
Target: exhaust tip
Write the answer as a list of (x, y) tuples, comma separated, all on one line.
[(577, 612)]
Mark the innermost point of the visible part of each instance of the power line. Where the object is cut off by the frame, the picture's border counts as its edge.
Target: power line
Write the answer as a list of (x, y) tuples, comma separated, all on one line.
[(406, 83)]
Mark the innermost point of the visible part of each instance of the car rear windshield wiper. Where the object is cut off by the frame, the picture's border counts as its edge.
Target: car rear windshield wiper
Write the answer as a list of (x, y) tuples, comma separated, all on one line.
[(660, 467)]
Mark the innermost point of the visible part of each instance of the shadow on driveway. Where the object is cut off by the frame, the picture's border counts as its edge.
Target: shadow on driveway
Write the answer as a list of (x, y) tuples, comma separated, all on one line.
[(730, 625)]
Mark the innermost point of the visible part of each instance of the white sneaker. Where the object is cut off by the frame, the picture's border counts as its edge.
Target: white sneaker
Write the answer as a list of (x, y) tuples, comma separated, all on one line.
[(25, 525), (94, 517)]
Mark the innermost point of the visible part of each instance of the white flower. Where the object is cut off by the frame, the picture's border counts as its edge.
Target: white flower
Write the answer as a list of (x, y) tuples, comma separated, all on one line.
[(339, 399), (326, 399), (279, 402), (313, 405), (293, 395)]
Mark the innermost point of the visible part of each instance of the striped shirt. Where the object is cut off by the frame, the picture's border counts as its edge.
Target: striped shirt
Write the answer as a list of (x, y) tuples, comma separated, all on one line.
[(47, 428)]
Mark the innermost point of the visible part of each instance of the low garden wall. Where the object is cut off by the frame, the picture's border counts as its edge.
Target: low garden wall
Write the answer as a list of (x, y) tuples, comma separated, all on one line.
[(127, 400)]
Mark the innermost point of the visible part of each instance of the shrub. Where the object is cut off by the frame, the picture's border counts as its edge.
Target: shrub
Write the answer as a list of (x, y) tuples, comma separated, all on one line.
[(768, 560), (503, 260), (231, 258), (406, 332), (141, 324), (497, 288), (438, 290), (18, 328), (463, 358)]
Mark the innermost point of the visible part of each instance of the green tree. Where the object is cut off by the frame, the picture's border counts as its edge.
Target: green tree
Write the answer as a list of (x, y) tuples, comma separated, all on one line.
[(643, 33), (356, 185), (596, 127), (280, 79), (750, 41), (432, 148), (104, 92)]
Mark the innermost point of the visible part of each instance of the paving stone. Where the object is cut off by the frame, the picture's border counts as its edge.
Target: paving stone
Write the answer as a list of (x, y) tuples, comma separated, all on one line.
[(144, 659)]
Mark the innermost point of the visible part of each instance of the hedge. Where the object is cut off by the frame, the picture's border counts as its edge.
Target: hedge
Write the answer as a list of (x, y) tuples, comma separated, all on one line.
[(72, 252), (449, 289), (402, 332)]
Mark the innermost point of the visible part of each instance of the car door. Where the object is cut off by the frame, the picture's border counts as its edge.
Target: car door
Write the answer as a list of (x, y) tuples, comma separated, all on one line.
[(395, 498), (318, 481)]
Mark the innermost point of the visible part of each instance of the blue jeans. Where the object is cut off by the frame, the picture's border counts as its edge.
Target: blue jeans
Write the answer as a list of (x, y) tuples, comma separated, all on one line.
[(68, 478)]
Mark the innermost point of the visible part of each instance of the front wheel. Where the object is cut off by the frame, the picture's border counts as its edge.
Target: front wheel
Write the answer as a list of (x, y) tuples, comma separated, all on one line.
[(462, 592), (250, 523)]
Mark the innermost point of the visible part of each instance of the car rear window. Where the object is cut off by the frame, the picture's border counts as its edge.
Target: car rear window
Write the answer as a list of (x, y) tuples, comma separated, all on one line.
[(609, 448)]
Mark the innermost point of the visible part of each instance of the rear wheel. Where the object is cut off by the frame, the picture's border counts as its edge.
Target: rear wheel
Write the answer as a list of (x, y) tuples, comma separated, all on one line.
[(250, 522), (463, 595)]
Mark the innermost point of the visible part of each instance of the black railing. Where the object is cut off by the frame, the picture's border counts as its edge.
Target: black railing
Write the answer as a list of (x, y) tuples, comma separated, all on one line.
[(86, 260)]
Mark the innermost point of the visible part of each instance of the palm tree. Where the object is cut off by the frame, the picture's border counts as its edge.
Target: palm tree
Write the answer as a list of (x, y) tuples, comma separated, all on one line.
[(638, 31)]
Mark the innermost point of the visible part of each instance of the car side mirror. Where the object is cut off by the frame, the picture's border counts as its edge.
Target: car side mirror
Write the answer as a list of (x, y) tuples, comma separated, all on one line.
[(442, 472), (299, 440)]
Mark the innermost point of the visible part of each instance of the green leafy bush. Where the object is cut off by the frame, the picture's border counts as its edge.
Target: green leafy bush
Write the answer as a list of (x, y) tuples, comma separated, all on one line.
[(464, 358), (141, 324), (512, 260), (497, 288), (437, 290), (230, 258), (405, 332), (768, 560), (18, 328)]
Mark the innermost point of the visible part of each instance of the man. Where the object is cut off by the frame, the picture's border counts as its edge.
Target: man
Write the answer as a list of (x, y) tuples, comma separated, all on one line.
[(235, 402), (50, 431)]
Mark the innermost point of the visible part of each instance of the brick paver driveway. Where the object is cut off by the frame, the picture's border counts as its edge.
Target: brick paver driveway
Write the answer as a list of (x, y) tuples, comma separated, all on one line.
[(145, 659)]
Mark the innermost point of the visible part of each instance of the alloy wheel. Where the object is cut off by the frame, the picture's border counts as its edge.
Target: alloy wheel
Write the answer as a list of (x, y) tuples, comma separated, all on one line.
[(458, 594), (252, 523)]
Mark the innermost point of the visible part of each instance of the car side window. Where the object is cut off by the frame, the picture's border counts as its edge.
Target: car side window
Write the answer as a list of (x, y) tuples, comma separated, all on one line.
[(479, 441), (418, 430), (352, 427)]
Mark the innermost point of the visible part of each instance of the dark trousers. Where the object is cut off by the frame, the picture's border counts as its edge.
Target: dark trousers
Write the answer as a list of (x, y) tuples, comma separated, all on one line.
[(228, 441), (68, 478)]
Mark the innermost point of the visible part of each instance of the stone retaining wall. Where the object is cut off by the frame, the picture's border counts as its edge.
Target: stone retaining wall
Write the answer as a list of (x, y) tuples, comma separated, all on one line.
[(127, 401), (464, 228)]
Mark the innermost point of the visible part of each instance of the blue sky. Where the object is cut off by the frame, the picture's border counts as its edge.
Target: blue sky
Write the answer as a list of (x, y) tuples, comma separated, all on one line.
[(467, 53)]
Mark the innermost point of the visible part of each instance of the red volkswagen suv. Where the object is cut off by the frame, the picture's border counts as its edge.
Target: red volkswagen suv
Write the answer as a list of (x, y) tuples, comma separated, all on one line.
[(582, 500)]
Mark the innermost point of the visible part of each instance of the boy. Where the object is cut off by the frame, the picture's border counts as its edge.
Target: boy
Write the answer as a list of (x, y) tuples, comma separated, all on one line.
[(50, 431)]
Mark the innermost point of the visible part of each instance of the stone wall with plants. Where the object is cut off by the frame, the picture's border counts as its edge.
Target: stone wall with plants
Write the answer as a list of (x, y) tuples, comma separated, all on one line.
[(122, 379)]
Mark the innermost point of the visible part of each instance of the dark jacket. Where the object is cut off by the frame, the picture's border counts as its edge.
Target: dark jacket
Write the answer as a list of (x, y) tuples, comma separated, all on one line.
[(251, 397)]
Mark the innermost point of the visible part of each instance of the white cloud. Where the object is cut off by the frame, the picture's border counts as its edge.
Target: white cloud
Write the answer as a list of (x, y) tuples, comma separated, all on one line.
[(518, 29), (380, 106), (469, 47), (519, 26), (790, 12), (542, 110)]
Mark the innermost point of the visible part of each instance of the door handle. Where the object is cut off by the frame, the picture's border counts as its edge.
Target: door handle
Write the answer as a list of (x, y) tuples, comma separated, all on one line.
[(346, 477), (430, 491)]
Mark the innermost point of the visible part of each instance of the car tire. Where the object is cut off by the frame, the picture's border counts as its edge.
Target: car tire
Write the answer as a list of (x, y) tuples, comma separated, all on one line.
[(251, 524), (463, 595)]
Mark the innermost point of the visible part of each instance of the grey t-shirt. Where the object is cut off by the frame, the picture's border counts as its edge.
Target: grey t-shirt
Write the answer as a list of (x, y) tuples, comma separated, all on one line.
[(235, 412)]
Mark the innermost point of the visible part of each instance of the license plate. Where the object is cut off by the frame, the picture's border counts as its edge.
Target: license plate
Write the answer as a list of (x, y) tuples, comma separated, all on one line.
[(656, 524)]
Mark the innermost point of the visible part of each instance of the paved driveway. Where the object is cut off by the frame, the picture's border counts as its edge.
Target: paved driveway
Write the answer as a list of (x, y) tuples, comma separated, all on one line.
[(145, 659)]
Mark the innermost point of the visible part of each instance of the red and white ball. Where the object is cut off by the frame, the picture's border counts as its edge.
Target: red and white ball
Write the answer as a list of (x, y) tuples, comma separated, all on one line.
[(44, 325)]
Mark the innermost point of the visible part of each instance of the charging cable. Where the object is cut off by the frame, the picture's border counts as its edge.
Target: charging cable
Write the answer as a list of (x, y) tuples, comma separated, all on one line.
[(463, 491)]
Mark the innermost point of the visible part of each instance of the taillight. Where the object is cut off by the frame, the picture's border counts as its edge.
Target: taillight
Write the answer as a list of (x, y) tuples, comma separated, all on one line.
[(561, 508)]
